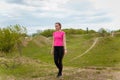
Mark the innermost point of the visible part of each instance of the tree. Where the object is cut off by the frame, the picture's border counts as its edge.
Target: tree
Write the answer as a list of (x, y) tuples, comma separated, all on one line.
[(47, 32), (102, 32)]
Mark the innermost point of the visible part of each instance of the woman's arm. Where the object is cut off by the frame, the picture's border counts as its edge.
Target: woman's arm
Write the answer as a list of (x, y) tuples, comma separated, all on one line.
[(65, 47), (52, 48)]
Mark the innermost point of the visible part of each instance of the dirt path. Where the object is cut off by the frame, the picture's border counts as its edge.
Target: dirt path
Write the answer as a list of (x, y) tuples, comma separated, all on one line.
[(116, 75), (71, 73), (94, 43), (82, 74)]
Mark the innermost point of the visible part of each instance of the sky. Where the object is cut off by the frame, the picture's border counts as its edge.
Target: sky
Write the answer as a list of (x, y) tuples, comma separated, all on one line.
[(42, 14)]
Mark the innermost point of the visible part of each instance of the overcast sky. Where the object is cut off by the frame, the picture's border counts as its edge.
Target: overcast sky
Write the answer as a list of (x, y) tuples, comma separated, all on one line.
[(42, 14)]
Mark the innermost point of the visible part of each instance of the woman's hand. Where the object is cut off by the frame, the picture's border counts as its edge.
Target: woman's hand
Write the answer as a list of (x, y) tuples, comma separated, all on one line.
[(65, 51), (52, 52)]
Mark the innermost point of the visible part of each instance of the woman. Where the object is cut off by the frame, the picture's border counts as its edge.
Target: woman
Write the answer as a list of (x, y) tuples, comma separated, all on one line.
[(59, 47)]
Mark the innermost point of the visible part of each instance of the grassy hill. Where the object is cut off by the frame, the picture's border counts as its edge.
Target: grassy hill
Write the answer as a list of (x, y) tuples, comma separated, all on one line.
[(36, 62), (105, 53)]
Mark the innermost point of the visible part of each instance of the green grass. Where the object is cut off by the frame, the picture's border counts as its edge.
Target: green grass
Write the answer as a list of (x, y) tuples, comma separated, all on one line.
[(76, 45), (27, 70), (106, 53), (36, 52)]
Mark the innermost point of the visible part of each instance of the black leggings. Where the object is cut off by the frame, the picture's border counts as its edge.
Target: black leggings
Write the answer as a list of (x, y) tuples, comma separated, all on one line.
[(58, 56)]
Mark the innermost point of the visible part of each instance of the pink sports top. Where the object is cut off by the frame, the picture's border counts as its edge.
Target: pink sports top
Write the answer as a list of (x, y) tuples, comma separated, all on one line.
[(58, 38)]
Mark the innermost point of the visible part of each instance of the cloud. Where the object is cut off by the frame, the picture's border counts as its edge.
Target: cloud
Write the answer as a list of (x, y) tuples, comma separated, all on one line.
[(109, 5), (38, 13)]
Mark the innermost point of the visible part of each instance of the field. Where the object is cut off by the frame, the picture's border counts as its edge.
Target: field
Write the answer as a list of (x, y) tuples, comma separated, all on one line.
[(89, 57)]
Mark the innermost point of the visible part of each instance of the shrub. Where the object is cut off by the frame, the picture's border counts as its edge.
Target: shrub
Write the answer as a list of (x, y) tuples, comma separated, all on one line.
[(10, 37)]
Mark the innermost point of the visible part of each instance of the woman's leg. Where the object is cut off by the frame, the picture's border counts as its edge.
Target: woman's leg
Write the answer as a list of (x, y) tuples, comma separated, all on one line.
[(61, 54), (56, 57)]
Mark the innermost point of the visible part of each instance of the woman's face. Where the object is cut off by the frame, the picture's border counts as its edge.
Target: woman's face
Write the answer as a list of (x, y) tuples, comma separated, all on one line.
[(57, 27)]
